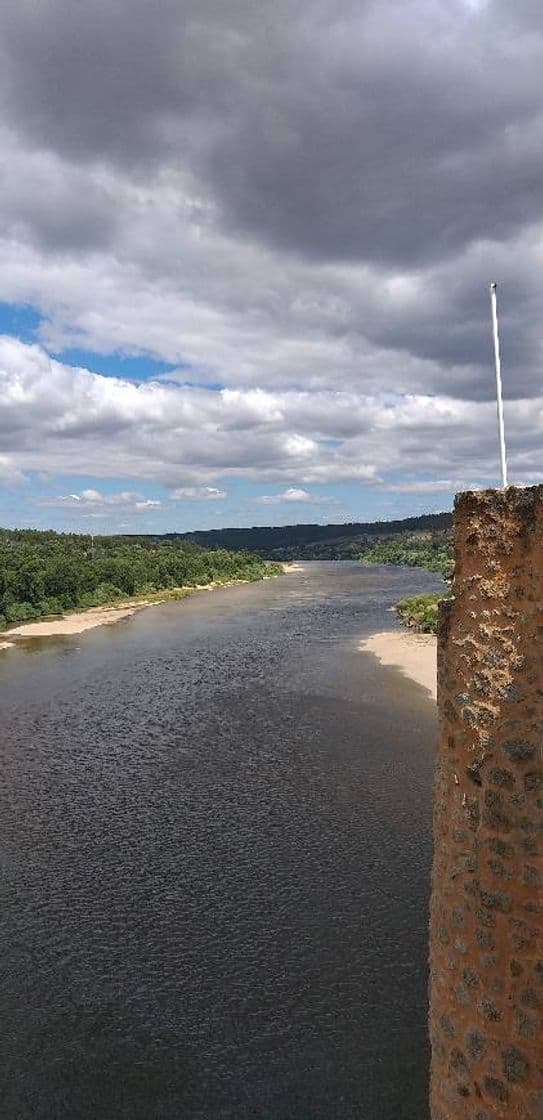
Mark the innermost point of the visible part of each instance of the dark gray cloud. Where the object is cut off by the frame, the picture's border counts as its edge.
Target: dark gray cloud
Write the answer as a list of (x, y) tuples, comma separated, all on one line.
[(378, 131), (126, 80)]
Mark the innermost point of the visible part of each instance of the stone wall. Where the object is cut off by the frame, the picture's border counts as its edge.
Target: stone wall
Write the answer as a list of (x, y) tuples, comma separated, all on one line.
[(486, 946)]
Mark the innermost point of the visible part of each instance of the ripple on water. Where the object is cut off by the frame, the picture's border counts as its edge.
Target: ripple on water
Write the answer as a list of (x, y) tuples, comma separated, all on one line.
[(215, 840)]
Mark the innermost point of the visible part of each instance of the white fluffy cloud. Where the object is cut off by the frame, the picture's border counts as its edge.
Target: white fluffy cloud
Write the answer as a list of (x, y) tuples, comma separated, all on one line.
[(199, 494), (291, 494), (64, 420), (93, 503)]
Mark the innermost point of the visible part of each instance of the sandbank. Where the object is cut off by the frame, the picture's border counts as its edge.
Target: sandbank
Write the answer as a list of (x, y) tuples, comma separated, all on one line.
[(74, 623), (292, 566), (415, 655)]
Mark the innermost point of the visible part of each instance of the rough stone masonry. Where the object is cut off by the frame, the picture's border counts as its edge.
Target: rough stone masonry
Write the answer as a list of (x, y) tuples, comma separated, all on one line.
[(486, 943)]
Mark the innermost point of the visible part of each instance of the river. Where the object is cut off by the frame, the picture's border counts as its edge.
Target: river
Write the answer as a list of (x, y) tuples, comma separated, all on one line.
[(215, 839)]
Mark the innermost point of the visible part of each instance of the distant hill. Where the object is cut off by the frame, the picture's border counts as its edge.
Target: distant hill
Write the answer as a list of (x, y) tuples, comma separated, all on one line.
[(315, 542)]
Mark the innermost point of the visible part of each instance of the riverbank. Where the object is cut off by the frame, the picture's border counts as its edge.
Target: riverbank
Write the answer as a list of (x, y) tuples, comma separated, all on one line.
[(77, 622), (415, 655)]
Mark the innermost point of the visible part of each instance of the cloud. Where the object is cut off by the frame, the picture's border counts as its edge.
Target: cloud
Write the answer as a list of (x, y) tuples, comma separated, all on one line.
[(198, 494), (303, 209), (437, 486), (359, 131), (9, 473), (93, 503), (64, 420), (291, 494)]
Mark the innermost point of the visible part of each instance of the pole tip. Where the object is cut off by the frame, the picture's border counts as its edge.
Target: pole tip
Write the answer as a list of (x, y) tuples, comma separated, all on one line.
[(493, 286)]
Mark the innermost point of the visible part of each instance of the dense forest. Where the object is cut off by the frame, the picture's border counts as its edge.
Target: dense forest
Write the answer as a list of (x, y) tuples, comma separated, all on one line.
[(46, 573), (317, 542)]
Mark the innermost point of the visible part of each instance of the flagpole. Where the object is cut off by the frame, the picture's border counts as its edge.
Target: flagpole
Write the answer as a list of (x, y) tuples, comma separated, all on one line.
[(499, 398)]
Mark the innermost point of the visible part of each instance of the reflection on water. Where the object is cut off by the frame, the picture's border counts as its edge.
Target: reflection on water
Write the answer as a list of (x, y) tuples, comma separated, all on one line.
[(215, 843)]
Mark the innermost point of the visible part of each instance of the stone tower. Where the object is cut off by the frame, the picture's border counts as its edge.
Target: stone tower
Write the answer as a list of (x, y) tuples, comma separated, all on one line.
[(486, 944)]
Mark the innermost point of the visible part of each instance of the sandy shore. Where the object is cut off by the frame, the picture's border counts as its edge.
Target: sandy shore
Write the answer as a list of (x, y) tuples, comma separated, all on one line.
[(79, 621), (414, 654), (74, 623), (292, 566)]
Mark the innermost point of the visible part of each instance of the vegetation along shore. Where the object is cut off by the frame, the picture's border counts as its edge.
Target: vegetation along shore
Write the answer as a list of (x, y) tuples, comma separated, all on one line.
[(44, 575), (430, 550), (414, 654)]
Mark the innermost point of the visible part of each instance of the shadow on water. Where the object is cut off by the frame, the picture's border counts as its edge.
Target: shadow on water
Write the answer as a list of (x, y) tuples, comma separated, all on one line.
[(215, 840)]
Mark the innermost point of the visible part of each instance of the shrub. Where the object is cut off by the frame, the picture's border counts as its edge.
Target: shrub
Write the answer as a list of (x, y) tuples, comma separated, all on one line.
[(420, 612), (20, 612)]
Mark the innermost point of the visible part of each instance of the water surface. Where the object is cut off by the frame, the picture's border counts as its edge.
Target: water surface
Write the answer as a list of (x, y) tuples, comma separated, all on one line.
[(215, 842)]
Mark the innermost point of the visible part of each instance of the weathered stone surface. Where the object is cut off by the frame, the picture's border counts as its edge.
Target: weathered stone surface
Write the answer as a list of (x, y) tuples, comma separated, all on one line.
[(496, 1089), (486, 949), (475, 1044), (516, 1066)]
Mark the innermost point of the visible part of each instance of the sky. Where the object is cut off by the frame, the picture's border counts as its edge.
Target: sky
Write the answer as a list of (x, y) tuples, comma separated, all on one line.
[(246, 252)]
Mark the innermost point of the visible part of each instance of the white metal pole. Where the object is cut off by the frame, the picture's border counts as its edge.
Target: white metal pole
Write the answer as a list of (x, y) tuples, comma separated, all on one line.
[(499, 398)]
